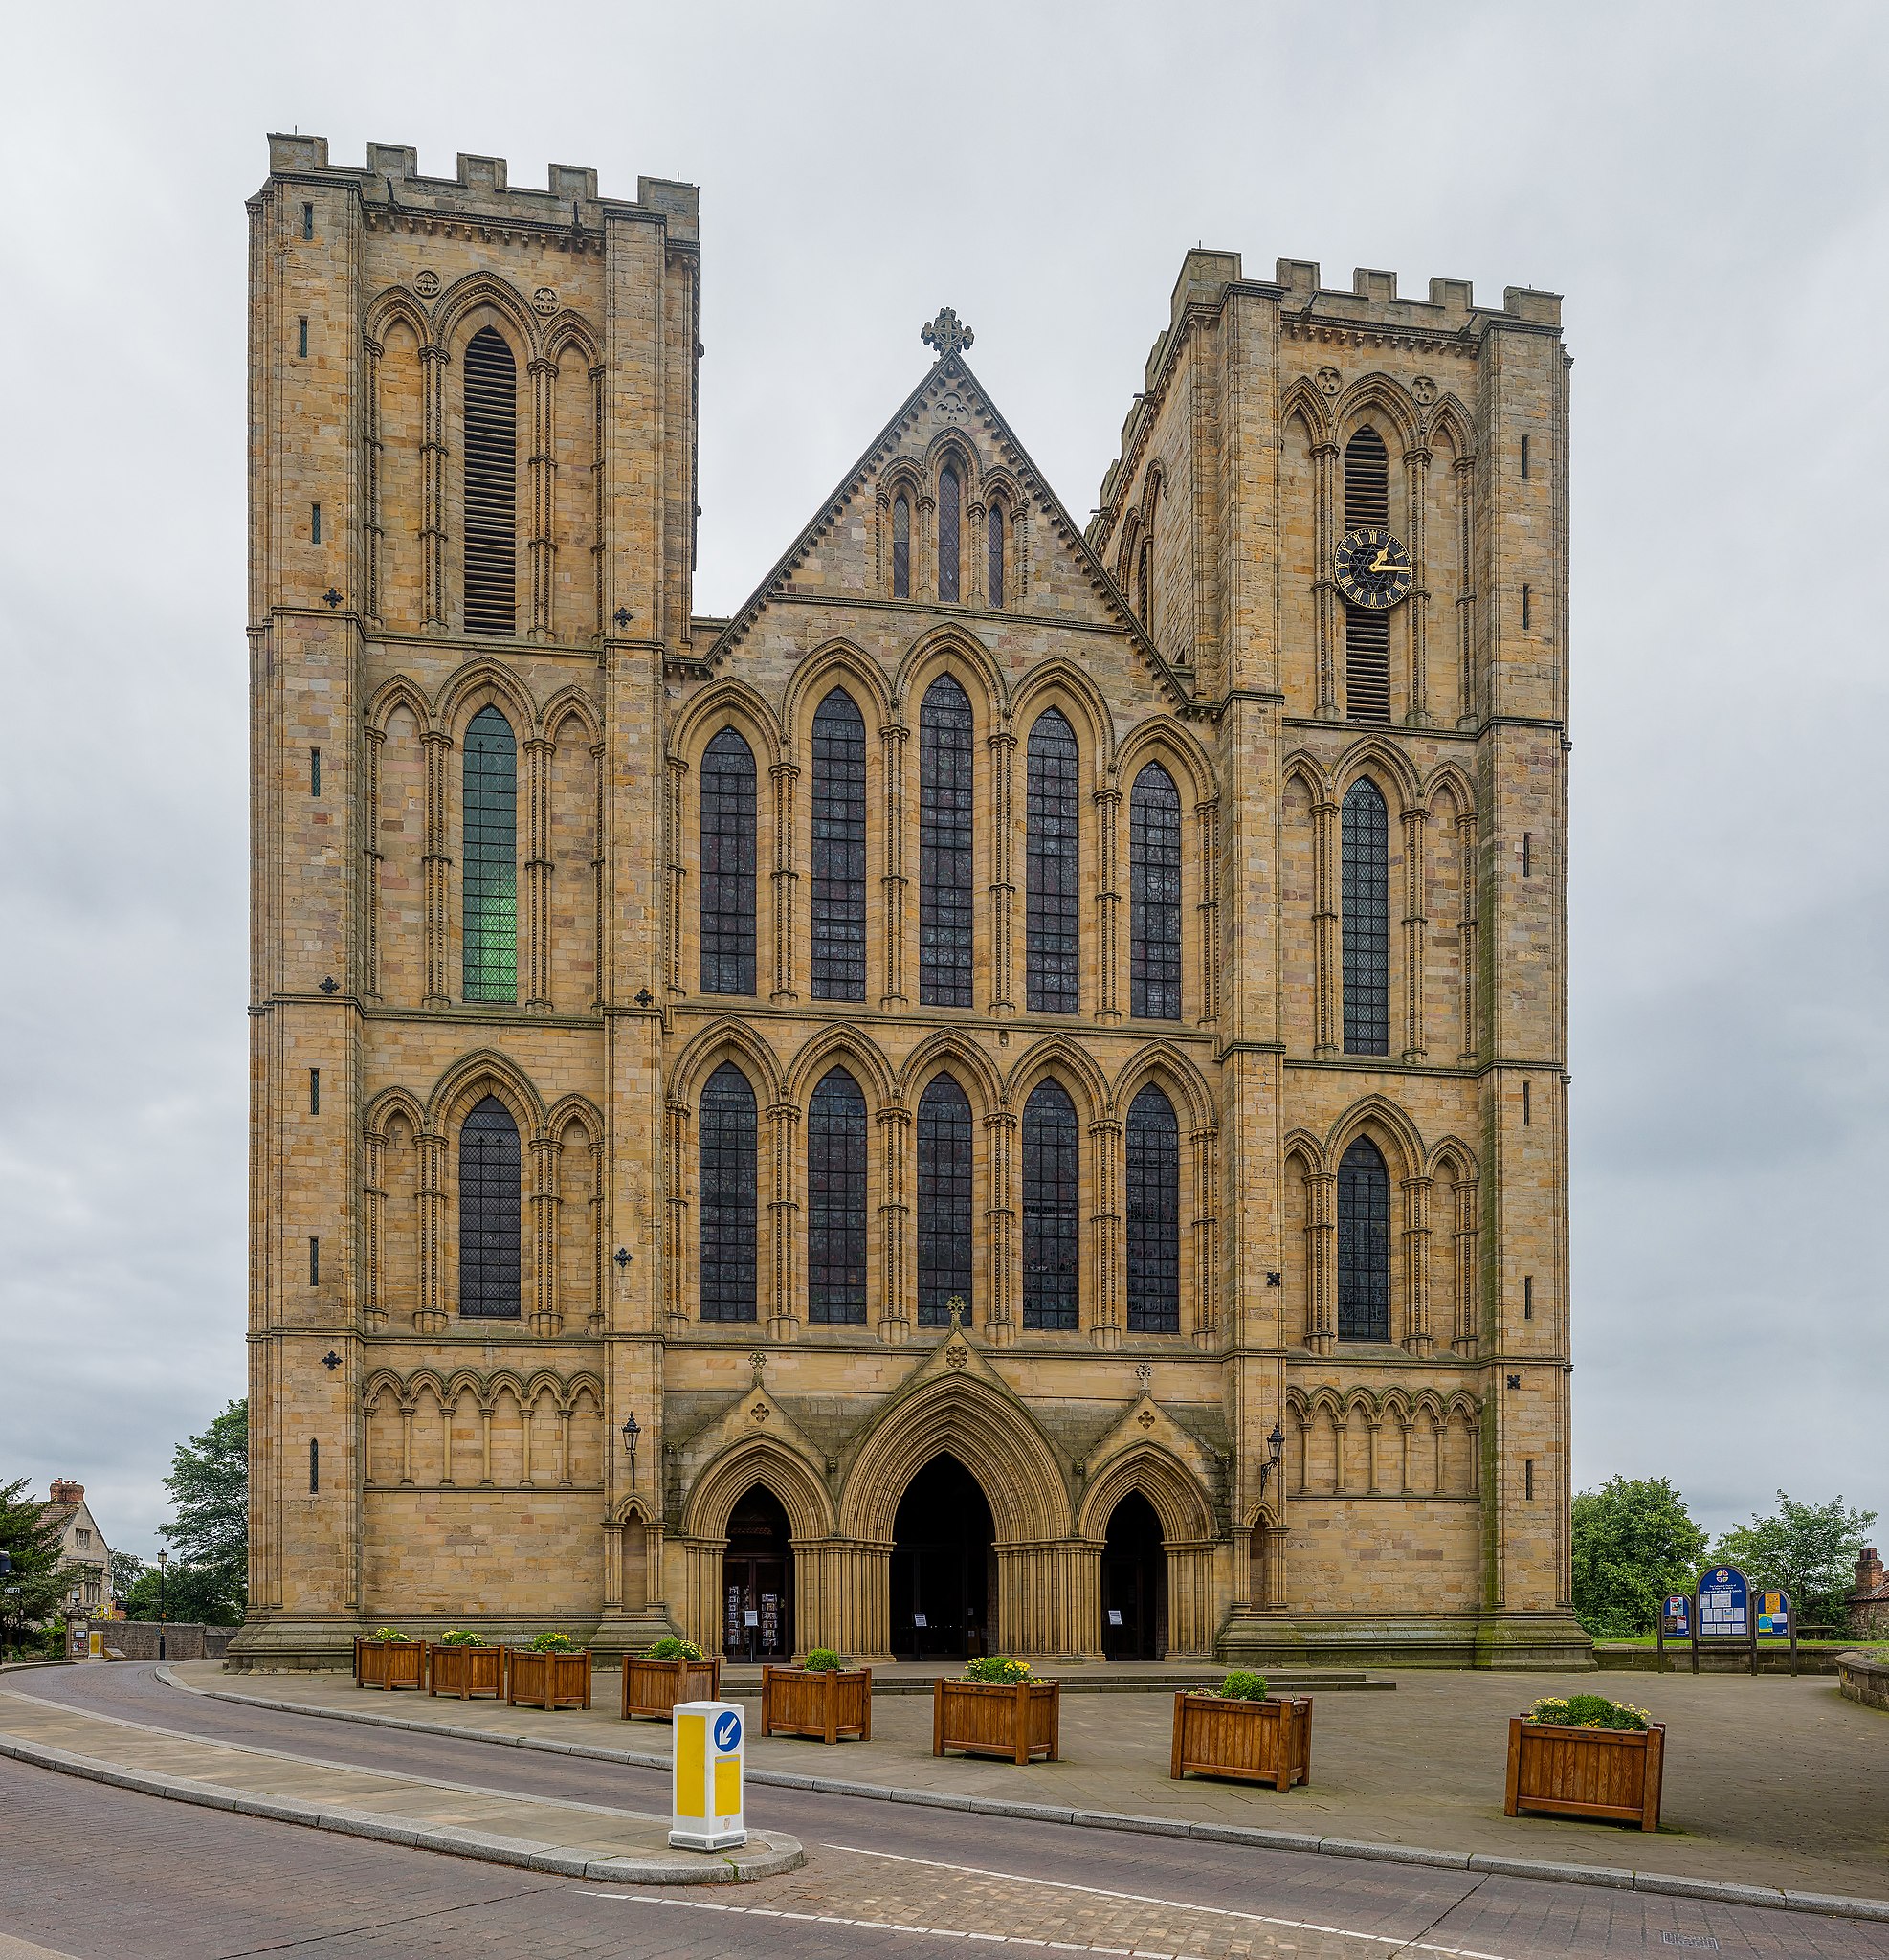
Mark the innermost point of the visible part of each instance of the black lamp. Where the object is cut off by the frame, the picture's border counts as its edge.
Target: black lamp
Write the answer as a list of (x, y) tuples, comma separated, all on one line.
[(631, 1430), (1275, 1449)]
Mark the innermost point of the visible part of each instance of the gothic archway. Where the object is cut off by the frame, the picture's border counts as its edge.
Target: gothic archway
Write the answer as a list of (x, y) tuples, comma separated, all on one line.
[(944, 1571)]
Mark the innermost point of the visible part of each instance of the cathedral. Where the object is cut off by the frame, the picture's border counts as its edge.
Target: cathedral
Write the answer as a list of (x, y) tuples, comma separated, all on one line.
[(1008, 1096)]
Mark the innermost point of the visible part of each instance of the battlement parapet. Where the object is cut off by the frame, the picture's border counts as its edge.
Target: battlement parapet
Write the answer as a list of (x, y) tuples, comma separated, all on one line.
[(482, 188)]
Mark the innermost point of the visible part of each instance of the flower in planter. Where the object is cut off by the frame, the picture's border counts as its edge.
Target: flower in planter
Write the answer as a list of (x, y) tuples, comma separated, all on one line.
[(823, 1661), (1241, 1685), (453, 1637), (670, 1648), (1588, 1711), (391, 1633), (550, 1643), (998, 1670)]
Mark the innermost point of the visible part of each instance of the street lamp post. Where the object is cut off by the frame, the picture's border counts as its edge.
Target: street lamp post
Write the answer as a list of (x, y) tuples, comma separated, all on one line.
[(164, 1559), (631, 1430)]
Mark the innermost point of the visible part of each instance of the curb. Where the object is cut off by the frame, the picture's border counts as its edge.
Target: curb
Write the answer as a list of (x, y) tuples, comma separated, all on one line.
[(1619, 1878), (782, 1854)]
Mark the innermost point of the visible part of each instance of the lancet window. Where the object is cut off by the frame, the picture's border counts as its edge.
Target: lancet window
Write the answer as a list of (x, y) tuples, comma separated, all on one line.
[(490, 1207), (944, 1201), (1364, 845), (839, 850), (728, 1167), (727, 865), (945, 817), (491, 484), (1049, 1199), (1154, 1214), (1363, 1244), (836, 1200), (1154, 896), (1052, 950), (490, 889)]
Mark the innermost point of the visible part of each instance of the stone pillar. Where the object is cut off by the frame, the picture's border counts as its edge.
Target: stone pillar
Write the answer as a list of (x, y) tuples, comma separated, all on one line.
[(1327, 941), (784, 1213), (1417, 1045), (542, 469), (538, 752), (1471, 906), (675, 1253), (1325, 459), (1106, 1313), (1416, 1335), (1417, 479), (895, 1275), (1001, 745), (892, 882), (1000, 1240), (435, 931), (1206, 1237), (1322, 1260), (1108, 908), (374, 1232), (429, 1318), (433, 362), (546, 1318), (784, 774), (1207, 830)]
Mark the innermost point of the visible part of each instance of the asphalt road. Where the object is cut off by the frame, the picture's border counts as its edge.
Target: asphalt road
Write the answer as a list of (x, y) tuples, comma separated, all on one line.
[(92, 1871)]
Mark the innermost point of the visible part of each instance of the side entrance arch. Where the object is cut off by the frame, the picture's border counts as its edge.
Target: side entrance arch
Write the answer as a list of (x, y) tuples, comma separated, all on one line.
[(943, 1572), (757, 1580), (1134, 1583)]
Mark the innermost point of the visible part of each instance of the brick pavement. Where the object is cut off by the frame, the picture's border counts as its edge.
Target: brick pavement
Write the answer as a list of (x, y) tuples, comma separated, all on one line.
[(1769, 1781)]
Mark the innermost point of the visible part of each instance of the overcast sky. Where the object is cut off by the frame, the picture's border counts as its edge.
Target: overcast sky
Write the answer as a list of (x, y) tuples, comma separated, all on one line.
[(1705, 184)]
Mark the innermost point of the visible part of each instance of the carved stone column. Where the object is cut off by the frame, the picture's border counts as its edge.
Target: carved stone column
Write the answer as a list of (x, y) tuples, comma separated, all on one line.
[(599, 915), (1463, 1245), (430, 1317), (1322, 1260), (546, 1317), (598, 532), (1003, 886), (893, 879), (371, 864), (373, 1193), (1467, 706), (1467, 850), (371, 458), (1417, 479), (784, 774), (1000, 1246), (896, 1278), (675, 828), (1327, 943), (538, 752), (1416, 1335), (1206, 1237), (1324, 540), (783, 1215), (1416, 1043), (1105, 1232), (542, 471), (1207, 831), (676, 1250), (595, 1309), (924, 549), (433, 931), (1108, 908), (434, 363)]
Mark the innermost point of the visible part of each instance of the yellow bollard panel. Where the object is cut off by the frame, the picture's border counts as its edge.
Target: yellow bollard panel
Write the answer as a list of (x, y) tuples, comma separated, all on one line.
[(707, 1780)]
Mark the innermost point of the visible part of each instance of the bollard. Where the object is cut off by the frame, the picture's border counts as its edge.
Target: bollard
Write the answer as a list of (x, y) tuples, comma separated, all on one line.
[(707, 1780)]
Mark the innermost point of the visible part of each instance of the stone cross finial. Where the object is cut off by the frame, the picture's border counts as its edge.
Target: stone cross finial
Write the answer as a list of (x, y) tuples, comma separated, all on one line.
[(759, 1364), (947, 334)]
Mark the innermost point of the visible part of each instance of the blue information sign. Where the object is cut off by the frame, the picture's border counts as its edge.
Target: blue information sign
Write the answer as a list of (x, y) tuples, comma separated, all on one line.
[(1725, 1605), (1676, 1620), (1773, 1614)]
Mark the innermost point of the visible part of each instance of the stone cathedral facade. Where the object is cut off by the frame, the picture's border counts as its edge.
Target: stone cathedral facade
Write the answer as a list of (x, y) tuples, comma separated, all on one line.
[(1009, 1096)]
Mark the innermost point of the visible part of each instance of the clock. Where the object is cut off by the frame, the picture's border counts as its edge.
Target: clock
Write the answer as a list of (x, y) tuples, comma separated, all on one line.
[(1373, 567)]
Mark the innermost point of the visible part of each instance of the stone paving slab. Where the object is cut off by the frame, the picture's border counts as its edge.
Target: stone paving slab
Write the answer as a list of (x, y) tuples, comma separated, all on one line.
[(1769, 1782), (580, 1841)]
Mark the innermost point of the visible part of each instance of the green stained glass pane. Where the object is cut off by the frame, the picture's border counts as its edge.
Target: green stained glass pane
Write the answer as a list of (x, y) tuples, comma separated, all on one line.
[(491, 859)]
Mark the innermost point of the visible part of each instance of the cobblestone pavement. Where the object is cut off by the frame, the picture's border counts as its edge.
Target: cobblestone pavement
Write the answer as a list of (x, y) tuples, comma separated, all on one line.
[(1769, 1781), (160, 1879)]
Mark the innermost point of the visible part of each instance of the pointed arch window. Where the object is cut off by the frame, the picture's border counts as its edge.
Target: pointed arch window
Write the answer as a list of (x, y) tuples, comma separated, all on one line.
[(728, 1163), (945, 845), (1050, 1169), (490, 890), (950, 500), (945, 1218), (727, 865), (837, 1201), (1154, 1214), (993, 549), (1367, 631), (1052, 948), (490, 1207), (1154, 896), (1365, 840), (839, 850), (491, 484), (901, 547), (1363, 1244)]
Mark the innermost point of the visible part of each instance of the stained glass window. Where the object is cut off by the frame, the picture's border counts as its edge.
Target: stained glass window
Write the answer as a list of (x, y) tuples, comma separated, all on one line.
[(727, 865), (945, 1220), (1154, 1214), (726, 1141), (491, 484), (490, 1204), (1051, 949), (1154, 897), (1365, 903), (994, 541), (901, 548), (839, 850), (491, 859), (836, 1200), (1050, 1198), (1363, 1244), (948, 500), (945, 845)]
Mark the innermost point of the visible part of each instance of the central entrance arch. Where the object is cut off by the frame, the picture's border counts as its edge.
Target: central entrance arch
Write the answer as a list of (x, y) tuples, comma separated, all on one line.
[(1134, 1583), (757, 1581), (944, 1565)]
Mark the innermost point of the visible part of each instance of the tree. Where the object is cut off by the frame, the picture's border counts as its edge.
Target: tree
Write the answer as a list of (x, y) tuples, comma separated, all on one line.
[(190, 1592), (1634, 1543), (1808, 1551), (30, 1537), (125, 1568), (209, 1482)]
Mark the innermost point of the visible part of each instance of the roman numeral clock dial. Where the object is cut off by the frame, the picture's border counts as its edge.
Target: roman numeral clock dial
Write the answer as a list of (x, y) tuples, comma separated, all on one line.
[(1373, 569)]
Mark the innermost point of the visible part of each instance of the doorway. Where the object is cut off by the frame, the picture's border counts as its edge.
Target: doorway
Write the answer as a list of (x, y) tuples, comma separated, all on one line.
[(1133, 1584), (757, 1581), (944, 1566)]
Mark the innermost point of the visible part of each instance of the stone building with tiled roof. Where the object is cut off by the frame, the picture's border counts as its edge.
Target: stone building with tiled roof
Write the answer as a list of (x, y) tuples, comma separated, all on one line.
[(86, 1554)]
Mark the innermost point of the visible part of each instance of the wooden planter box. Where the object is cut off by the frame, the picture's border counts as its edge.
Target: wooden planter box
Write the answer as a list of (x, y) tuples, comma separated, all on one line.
[(796, 1701), (454, 1668), (1251, 1741), (548, 1681), (390, 1663), (654, 1688), (992, 1719), (1586, 1772)]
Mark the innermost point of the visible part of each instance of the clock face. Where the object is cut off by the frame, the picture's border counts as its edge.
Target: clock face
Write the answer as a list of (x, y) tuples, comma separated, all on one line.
[(1373, 569)]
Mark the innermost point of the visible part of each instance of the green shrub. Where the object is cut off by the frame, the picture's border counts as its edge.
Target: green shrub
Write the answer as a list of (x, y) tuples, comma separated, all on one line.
[(997, 1668), (824, 1660), (393, 1634), (1241, 1685), (1586, 1711), (453, 1637), (550, 1643), (670, 1648)]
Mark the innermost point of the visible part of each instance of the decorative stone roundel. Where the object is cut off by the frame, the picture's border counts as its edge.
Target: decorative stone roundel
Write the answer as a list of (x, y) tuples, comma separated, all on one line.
[(951, 408), (426, 283), (956, 1355), (545, 300), (1425, 391), (1328, 379)]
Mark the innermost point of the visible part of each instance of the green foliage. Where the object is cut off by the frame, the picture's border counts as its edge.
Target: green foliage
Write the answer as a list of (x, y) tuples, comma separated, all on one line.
[(824, 1660), (670, 1648), (393, 1634), (453, 1637), (997, 1668), (189, 1593), (1634, 1543), (126, 1568), (37, 1582), (1586, 1711), (1241, 1686), (208, 1483), (550, 1643), (1808, 1551)]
